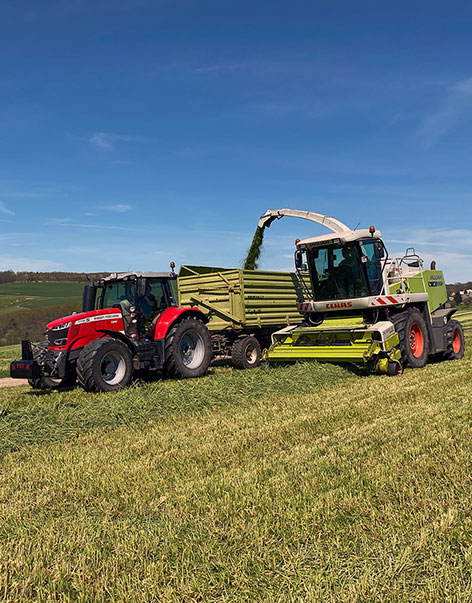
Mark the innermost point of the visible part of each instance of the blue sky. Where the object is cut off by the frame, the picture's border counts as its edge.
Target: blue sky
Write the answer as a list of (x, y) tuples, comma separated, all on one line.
[(135, 132)]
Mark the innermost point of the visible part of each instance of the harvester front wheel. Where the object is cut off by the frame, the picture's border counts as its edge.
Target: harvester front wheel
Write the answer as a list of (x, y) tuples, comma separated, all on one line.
[(413, 336), (455, 341), (104, 365), (246, 353), (188, 349), (39, 354)]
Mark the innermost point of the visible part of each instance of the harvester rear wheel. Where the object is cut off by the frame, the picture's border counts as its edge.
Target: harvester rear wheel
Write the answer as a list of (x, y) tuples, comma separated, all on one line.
[(413, 335), (39, 354), (246, 353), (455, 341), (104, 365), (188, 349)]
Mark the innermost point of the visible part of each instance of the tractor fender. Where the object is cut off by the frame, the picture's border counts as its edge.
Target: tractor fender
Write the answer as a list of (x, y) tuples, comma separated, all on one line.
[(173, 314), (122, 337)]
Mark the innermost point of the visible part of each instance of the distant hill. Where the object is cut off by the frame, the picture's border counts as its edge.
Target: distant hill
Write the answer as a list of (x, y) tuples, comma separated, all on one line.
[(8, 276), (26, 307), (32, 295)]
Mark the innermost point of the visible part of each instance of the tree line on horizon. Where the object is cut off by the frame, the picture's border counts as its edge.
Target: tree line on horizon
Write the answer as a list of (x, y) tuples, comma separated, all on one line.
[(9, 276)]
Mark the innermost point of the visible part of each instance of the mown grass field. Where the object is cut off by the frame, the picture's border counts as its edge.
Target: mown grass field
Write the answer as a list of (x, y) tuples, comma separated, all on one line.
[(301, 483), (17, 296)]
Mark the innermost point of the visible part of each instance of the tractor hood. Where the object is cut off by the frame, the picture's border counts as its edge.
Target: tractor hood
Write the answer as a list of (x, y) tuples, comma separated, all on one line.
[(85, 317)]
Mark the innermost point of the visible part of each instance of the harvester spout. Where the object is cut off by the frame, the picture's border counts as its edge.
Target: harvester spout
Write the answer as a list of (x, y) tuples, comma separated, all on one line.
[(275, 214)]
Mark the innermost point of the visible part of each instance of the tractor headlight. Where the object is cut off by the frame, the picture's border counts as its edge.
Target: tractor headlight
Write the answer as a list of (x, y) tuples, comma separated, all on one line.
[(66, 325)]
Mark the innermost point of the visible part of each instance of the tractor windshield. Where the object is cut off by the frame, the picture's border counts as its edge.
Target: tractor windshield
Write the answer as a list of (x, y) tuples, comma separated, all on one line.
[(337, 272), (120, 294)]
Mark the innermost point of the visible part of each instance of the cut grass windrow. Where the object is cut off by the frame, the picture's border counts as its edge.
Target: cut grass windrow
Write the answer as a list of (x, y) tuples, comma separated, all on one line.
[(28, 417)]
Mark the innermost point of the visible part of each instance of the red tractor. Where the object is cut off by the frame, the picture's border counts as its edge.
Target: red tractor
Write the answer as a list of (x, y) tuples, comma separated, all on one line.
[(130, 322)]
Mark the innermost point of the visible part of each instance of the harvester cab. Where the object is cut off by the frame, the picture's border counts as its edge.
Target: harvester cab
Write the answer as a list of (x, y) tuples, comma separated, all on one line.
[(129, 322), (364, 306)]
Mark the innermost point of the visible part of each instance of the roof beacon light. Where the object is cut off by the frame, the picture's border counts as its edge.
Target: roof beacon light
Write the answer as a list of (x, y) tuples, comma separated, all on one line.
[(172, 266), (297, 241), (372, 230)]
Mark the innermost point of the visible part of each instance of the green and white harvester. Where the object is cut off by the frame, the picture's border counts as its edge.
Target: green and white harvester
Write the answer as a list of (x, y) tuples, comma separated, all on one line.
[(361, 306)]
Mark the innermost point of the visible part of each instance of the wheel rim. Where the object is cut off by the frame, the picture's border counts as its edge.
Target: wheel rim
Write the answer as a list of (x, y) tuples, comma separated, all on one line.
[(251, 354), (416, 340), (456, 342), (192, 349), (113, 368)]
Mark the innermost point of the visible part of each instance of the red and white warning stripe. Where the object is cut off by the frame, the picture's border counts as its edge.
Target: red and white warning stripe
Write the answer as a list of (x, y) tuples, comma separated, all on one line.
[(305, 307), (387, 300)]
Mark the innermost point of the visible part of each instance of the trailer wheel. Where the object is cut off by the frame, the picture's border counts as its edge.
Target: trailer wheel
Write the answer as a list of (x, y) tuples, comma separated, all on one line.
[(39, 354), (188, 349), (246, 353), (455, 341), (104, 365), (413, 335)]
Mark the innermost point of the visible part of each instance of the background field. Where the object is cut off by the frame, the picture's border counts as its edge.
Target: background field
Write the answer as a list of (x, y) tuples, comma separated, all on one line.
[(307, 482), (18, 296)]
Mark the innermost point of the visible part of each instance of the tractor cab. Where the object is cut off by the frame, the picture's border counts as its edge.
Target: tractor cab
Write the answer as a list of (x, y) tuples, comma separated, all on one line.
[(346, 266), (140, 296)]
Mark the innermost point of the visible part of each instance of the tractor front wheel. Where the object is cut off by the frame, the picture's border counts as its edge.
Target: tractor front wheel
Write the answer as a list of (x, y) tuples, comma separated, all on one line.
[(188, 350), (104, 365), (455, 341), (413, 336)]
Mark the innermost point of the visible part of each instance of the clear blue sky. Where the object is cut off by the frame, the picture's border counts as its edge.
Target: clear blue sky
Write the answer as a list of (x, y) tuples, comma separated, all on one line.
[(135, 132)]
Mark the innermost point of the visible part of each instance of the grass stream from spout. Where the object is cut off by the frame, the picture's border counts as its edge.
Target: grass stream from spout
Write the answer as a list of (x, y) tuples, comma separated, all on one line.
[(252, 258)]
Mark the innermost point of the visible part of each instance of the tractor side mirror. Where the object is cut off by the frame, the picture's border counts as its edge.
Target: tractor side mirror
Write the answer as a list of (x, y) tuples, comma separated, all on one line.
[(379, 250), (298, 259), (141, 288)]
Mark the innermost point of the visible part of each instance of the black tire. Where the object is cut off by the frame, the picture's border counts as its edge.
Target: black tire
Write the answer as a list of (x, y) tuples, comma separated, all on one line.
[(39, 353), (413, 335), (455, 346), (246, 353), (104, 365), (188, 349), (393, 369)]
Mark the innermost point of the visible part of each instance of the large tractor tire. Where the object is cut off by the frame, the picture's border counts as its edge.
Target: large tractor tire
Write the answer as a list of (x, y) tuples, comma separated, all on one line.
[(188, 350), (455, 341), (246, 353), (39, 353), (413, 335), (104, 365)]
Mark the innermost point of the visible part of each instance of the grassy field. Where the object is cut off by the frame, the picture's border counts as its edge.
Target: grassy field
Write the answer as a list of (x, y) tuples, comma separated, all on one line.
[(15, 296), (306, 482), (7, 354)]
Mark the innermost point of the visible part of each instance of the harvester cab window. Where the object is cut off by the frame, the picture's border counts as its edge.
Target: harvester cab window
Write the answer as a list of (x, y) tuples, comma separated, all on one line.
[(338, 273), (373, 265)]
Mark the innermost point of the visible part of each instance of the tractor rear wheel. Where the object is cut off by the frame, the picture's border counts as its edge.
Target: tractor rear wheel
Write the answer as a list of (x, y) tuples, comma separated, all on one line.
[(455, 341), (39, 354), (104, 365), (413, 335), (188, 349), (246, 353)]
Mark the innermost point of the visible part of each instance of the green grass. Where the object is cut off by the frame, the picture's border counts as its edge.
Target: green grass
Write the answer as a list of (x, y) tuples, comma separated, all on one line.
[(19, 295), (300, 483), (7, 354)]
